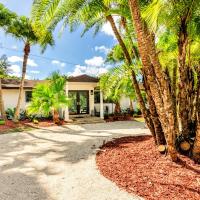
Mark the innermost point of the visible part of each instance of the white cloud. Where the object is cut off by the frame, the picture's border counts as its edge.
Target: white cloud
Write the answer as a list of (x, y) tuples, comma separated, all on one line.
[(14, 47), (107, 29), (28, 77), (34, 72), (15, 70), (102, 49), (32, 63), (94, 67), (96, 61), (14, 59), (58, 63)]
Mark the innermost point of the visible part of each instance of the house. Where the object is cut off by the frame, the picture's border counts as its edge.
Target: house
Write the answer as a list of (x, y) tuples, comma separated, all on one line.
[(86, 97)]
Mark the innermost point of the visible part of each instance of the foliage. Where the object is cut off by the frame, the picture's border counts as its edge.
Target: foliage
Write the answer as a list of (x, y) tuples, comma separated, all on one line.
[(49, 97), (11, 111)]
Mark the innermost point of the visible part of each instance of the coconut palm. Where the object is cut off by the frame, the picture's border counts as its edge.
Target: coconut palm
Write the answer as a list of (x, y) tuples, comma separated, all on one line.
[(49, 98), (93, 14), (21, 28)]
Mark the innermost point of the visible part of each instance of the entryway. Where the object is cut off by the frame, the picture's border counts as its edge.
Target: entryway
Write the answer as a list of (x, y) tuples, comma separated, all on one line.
[(79, 102)]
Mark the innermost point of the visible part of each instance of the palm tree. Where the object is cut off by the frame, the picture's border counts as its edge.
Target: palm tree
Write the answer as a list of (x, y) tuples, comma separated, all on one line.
[(49, 98), (21, 28), (172, 88), (4, 65)]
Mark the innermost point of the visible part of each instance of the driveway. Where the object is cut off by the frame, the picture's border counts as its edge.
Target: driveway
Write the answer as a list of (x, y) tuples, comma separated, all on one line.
[(58, 163)]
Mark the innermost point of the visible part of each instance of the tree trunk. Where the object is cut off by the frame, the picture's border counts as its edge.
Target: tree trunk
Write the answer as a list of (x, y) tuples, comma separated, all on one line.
[(196, 148), (131, 106), (159, 134), (155, 87), (21, 87), (134, 79), (183, 83), (2, 109), (117, 107), (56, 119)]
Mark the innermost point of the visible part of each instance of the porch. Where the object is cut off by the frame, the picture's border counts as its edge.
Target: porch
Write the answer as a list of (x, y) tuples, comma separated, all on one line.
[(81, 92)]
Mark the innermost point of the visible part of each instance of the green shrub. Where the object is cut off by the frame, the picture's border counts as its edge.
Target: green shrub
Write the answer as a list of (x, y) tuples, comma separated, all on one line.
[(2, 122)]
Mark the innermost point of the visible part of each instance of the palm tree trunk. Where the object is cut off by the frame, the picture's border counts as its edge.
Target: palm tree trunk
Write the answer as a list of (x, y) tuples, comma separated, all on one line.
[(159, 134), (117, 107), (2, 109), (156, 86), (21, 87), (183, 85), (131, 106), (134, 79), (56, 119), (196, 148)]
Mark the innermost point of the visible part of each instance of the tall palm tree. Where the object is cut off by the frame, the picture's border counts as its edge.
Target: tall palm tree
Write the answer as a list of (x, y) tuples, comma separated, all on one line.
[(92, 14), (21, 28)]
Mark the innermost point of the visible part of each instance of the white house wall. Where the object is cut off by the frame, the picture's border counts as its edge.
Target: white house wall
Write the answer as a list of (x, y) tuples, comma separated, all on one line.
[(10, 97)]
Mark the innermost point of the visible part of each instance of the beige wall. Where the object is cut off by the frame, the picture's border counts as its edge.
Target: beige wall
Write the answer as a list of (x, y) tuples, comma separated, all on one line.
[(10, 97), (84, 86)]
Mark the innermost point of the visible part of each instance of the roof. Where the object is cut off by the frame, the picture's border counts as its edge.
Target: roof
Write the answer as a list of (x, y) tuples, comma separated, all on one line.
[(14, 83), (83, 78), (29, 84)]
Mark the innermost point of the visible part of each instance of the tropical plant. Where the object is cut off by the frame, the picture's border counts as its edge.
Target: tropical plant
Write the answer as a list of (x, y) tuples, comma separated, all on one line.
[(4, 69), (117, 83), (21, 28), (48, 98), (172, 92)]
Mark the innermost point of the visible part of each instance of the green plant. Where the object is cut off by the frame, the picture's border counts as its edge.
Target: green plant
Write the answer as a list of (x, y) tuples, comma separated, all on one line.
[(48, 98), (2, 122)]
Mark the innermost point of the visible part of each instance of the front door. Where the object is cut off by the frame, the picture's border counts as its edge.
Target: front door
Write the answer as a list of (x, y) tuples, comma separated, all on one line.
[(79, 102)]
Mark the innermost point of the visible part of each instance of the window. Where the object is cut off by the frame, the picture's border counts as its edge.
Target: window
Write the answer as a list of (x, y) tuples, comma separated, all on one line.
[(28, 96), (96, 97)]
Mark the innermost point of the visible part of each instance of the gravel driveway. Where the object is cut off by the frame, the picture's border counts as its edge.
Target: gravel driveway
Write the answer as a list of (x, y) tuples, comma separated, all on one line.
[(58, 163)]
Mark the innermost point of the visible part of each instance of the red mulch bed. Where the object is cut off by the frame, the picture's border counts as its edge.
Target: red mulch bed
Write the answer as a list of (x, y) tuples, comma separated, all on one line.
[(135, 165), (10, 125)]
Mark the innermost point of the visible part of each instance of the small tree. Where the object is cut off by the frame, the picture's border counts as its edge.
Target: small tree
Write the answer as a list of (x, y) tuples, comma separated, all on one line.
[(4, 65), (49, 97)]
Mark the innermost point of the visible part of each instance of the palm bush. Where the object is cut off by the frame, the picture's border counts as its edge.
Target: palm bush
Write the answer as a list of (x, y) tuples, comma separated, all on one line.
[(48, 98)]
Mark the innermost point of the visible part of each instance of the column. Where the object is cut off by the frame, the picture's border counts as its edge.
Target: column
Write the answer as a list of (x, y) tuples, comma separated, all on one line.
[(101, 105), (66, 117)]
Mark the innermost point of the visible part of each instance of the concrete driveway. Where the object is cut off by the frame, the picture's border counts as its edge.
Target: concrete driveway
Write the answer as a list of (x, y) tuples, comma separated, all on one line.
[(58, 163)]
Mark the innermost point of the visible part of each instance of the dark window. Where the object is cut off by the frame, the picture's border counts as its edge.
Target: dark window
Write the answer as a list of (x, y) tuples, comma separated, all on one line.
[(96, 97), (28, 96)]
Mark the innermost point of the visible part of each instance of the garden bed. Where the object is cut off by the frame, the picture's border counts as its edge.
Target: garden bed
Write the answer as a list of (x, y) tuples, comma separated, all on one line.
[(135, 165), (10, 126)]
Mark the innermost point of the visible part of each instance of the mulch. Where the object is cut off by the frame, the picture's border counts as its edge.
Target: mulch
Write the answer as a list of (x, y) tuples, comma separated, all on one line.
[(135, 165), (11, 126)]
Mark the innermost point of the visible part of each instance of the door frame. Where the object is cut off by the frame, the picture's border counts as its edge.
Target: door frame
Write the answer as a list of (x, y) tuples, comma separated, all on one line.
[(78, 101)]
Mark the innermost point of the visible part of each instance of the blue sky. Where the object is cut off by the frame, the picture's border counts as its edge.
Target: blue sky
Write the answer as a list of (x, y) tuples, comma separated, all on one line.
[(72, 54)]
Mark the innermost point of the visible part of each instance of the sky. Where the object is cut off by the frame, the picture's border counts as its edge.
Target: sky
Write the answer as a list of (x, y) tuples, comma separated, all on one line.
[(72, 54)]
